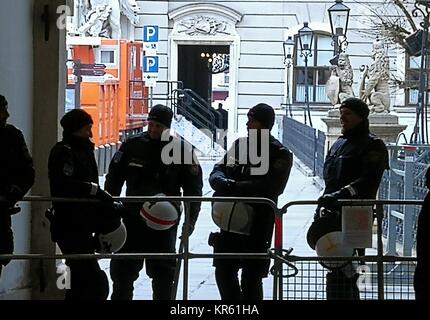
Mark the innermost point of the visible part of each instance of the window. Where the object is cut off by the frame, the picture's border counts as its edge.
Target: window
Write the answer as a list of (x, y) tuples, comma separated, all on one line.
[(226, 78), (318, 70), (412, 80), (107, 56)]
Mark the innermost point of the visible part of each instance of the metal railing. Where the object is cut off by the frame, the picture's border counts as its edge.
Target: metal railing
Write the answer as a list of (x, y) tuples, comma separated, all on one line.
[(278, 254), (379, 259), (307, 144), (405, 180)]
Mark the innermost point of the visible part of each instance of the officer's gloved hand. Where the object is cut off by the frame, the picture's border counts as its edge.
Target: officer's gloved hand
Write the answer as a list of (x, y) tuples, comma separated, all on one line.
[(224, 185), (104, 196), (329, 200)]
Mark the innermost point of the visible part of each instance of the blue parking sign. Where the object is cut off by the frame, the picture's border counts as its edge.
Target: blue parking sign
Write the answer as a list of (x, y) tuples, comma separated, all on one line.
[(150, 64), (150, 33)]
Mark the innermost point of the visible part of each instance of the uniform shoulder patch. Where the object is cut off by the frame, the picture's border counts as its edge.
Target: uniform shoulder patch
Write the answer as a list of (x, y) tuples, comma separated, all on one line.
[(68, 168)]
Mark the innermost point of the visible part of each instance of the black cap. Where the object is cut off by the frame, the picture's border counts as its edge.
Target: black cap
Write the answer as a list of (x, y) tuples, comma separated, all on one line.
[(75, 120), (3, 101), (358, 106), (264, 114), (161, 114)]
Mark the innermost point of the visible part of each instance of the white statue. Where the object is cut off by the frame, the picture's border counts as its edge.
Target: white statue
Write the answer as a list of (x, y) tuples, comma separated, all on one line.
[(131, 10), (339, 85), (102, 18), (332, 87), (377, 88)]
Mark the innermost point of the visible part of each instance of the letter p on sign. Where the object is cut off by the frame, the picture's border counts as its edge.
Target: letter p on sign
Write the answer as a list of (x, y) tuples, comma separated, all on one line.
[(150, 33)]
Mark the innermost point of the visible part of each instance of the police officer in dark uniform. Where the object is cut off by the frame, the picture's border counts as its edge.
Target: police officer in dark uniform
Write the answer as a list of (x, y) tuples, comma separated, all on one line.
[(16, 177), (141, 164), (233, 177), (353, 169), (421, 277), (73, 173)]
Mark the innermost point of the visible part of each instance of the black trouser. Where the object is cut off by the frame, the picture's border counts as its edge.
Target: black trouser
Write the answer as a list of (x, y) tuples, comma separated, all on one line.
[(340, 287), (143, 239), (249, 288), (226, 270), (6, 237), (421, 282), (87, 280)]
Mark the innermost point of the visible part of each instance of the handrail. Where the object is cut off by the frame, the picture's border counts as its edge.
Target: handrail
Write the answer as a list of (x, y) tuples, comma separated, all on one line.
[(203, 107), (185, 256), (278, 256)]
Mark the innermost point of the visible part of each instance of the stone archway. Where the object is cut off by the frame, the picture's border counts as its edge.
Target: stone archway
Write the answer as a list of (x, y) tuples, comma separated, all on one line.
[(207, 24)]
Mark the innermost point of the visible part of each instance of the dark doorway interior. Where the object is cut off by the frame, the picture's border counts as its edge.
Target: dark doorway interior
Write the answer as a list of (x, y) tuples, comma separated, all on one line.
[(193, 69)]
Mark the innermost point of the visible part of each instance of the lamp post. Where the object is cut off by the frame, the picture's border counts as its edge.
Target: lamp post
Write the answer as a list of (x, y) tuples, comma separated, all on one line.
[(209, 59), (420, 134), (288, 46), (305, 39), (339, 17)]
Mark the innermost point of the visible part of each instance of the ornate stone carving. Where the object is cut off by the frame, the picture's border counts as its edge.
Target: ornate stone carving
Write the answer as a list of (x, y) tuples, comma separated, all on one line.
[(332, 86), (376, 90), (339, 85), (220, 63), (102, 18), (203, 25)]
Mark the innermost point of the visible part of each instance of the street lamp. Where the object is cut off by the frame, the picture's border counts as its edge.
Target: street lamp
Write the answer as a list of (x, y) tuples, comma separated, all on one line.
[(420, 133), (306, 36), (339, 17), (288, 46), (209, 59)]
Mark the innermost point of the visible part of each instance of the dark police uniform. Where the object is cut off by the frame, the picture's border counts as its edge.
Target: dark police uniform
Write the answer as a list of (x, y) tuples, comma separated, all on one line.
[(421, 277), (353, 169), (139, 164), (72, 174), (269, 185), (16, 178)]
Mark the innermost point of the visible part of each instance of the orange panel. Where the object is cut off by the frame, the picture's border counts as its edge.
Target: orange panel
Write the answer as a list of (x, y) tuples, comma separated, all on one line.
[(84, 53)]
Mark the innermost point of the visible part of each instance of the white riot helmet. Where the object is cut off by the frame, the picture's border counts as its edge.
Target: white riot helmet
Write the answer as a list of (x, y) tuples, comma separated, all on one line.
[(333, 245), (113, 241), (326, 238), (234, 217), (161, 215)]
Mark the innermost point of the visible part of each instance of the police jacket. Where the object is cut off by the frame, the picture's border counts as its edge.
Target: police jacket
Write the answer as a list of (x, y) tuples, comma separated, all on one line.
[(16, 165), (355, 164), (269, 184), (73, 174), (149, 167)]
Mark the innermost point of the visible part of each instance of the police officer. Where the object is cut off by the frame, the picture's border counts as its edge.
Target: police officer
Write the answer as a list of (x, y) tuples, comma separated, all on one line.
[(353, 169), (16, 177), (142, 163), (73, 173), (235, 176), (421, 278)]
